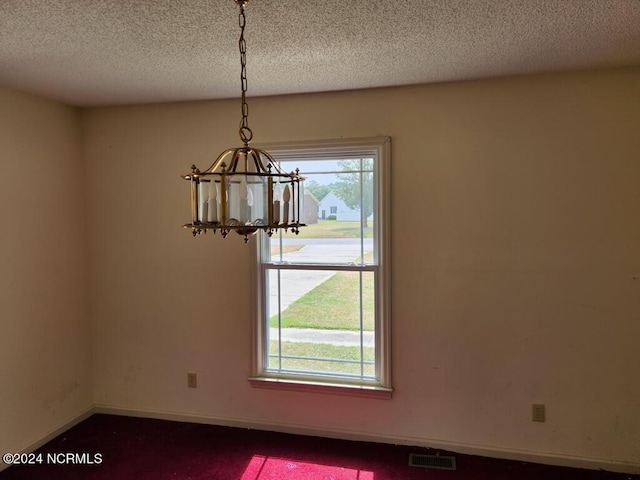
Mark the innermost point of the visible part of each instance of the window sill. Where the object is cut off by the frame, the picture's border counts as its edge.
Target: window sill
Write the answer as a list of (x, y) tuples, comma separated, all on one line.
[(310, 386)]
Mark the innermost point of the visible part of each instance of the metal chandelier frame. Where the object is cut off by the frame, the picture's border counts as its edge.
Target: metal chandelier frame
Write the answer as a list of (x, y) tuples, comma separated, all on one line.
[(245, 190)]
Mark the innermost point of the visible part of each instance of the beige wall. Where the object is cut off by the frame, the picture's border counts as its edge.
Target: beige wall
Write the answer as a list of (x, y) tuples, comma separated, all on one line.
[(515, 264), (517, 282), (45, 349)]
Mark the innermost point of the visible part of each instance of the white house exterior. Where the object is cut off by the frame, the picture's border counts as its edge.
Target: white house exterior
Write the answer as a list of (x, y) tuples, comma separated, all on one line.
[(331, 204)]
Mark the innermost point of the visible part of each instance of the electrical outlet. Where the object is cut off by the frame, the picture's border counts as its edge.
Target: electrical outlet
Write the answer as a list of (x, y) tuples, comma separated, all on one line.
[(192, 380), (537, 412)]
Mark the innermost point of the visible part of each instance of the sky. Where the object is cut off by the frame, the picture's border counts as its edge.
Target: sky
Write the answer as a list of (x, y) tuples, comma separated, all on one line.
[(322, 171)]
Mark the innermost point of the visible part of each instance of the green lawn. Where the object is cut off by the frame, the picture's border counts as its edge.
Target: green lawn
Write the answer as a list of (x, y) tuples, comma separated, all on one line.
[(324, 351), (332, 229), (334, 304)]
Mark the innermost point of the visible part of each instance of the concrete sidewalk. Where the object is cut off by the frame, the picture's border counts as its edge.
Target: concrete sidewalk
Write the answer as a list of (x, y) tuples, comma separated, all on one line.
[(345, 338), (295, 283)]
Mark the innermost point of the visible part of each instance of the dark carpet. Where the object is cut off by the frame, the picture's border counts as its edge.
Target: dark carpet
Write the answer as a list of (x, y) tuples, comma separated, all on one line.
[(120, 448)]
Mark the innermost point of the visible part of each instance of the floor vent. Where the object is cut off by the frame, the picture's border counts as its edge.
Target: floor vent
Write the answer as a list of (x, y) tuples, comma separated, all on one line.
[(432, 461)]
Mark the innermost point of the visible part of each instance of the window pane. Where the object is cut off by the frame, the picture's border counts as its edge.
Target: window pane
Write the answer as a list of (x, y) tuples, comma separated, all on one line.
[(321, 250), (322, 321), (316, 166), (338, 212), (321, 287)]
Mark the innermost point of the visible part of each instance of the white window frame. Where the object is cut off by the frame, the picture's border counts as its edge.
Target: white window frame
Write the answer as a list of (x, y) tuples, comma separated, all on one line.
[(381, 386)]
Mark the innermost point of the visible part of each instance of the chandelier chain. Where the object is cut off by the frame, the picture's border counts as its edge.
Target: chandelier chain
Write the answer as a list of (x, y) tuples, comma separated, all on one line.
[(245, 132), (222, 196)]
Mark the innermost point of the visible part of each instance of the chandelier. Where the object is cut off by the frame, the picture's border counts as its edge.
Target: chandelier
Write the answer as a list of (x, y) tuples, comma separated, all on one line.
[(245, 190)]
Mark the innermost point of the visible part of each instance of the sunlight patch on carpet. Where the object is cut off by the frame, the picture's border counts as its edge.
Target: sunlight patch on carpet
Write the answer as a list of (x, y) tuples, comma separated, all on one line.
[(263, 468)]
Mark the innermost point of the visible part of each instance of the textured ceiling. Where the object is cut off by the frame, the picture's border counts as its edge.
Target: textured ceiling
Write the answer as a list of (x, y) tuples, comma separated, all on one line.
[(107, 52)]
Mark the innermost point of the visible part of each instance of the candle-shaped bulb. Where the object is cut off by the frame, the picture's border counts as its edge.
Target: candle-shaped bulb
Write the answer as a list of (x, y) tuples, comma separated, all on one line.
[(286, 196), (213, 191), (249, 197), (243, 187), (244, 197), (213, 202), (204, 201), (249, 203), (277, 197)]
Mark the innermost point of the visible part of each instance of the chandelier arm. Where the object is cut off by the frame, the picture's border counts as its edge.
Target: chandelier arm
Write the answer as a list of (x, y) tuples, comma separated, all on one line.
[(257, 162)]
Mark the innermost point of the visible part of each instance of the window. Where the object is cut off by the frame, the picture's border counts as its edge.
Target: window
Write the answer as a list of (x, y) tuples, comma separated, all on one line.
[(323, 295)]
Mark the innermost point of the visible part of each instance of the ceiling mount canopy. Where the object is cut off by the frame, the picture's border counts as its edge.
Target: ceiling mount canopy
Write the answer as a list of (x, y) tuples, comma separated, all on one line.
[(245, 190)]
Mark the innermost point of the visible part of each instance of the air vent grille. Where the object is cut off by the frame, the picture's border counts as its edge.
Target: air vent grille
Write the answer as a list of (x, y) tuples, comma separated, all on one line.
[(432, 461)]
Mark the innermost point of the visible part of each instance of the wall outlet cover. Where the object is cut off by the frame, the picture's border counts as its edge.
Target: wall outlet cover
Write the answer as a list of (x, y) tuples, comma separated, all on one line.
[(537, 412)]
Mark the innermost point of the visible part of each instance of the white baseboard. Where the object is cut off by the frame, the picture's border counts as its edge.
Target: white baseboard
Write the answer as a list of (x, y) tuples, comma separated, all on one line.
[(545, 458), (53, 433)]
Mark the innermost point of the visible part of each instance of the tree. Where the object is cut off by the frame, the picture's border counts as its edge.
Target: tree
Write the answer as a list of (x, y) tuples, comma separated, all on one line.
[(319, 191), (355, 186)]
